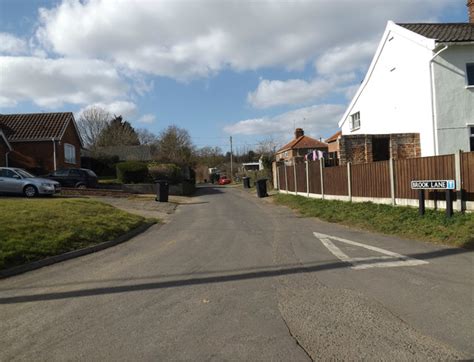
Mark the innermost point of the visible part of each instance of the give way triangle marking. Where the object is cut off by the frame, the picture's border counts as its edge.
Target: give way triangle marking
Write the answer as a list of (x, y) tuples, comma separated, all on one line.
[(389, 259)]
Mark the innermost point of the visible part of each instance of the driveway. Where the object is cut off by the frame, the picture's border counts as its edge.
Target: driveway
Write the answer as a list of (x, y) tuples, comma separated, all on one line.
[(232, 277)]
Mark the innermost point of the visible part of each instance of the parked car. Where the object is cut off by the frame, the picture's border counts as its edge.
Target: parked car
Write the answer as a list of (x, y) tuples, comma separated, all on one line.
[(223, 180), (74, 177), (18, 181)]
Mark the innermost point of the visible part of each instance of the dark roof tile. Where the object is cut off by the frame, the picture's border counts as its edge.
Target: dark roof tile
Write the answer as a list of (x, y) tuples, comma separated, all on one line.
[(34, 126), (447, 32)]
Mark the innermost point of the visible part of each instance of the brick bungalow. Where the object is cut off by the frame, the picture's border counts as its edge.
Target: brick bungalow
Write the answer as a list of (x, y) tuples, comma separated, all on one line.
[(299, 147), (40, 142)]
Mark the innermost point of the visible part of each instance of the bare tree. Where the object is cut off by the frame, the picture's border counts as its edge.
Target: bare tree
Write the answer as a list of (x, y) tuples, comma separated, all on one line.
[(91, 123), (146, 137), (175, 145)]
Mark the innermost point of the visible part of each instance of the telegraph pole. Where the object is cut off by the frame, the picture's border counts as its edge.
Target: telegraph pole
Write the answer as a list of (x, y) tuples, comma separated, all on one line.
[(231, 166)]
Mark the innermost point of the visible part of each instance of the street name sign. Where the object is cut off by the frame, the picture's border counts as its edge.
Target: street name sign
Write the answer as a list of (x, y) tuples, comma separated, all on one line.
[(433, 185)]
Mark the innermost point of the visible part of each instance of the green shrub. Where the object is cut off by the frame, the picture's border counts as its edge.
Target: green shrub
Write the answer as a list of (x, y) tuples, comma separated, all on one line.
[(132, 172), (165, 171)]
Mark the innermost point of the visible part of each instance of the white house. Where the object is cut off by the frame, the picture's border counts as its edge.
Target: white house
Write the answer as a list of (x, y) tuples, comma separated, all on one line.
[(421, 83)]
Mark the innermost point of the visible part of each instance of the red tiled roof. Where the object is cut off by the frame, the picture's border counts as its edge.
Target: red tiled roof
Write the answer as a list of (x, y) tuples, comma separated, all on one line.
[(444, 32), (303, 142), (334, 137), (35, 126)]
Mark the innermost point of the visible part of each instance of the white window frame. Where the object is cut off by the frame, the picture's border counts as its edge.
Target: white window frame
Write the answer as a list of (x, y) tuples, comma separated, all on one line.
[(69, 153), (355, 125)]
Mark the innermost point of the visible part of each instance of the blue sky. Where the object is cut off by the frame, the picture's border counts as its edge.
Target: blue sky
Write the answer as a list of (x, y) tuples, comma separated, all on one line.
[(248, 69)]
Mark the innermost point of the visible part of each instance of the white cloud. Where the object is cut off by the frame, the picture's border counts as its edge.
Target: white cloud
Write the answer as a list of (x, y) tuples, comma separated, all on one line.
[(189, 39), (52, 82), (317, 121), (342, 59), (12, 45), (147, 118), (271, 93), (128, 110)]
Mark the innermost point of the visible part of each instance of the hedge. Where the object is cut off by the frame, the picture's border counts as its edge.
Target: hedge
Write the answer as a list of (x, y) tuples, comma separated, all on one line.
[(132, 172)]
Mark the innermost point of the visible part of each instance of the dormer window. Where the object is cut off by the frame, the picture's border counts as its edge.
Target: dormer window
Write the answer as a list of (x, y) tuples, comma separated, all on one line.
[(355, 121)]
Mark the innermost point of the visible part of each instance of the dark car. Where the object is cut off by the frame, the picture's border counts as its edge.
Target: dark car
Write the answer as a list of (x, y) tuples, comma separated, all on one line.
[(75, 177)]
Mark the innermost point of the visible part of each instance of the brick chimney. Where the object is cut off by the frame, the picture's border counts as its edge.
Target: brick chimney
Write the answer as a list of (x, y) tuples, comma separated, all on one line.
[(299, 132), (470, 10)]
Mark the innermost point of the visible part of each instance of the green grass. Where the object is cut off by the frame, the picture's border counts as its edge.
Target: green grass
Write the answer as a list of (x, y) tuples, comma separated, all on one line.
[(402, 221), (37, 228)]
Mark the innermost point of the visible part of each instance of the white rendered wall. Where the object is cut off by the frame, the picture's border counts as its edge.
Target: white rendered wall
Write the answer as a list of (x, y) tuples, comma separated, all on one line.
[(397, 98), (454, 101)]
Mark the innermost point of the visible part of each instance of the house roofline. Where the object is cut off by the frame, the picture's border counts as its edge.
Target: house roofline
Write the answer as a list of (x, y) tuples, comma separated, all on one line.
[(391, 27), (2, 135), (71, 119)]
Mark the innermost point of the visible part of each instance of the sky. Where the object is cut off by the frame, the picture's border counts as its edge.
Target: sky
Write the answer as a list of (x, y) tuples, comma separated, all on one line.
[(250, 69)]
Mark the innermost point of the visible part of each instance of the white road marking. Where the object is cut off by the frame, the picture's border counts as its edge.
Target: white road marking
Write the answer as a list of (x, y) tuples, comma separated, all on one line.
[(390, 259)]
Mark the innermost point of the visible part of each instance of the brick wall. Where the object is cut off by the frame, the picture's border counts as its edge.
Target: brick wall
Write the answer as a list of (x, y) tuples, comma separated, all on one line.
[(358, 148), (43, 152), (405, 145)]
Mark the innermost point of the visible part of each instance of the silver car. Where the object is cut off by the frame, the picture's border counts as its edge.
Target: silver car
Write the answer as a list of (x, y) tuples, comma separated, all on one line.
[(18, 181)]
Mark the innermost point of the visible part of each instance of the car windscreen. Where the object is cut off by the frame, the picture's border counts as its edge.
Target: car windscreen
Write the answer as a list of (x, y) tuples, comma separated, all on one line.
[(91, 173), (23, 173)]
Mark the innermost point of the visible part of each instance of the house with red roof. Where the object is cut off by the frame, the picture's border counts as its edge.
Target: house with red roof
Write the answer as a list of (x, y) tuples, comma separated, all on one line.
[(40, 142), (299, 146)]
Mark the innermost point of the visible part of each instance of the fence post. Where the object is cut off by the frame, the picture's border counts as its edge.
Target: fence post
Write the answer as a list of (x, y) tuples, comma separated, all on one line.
[(286, 178), (307, 179), (392, 179), (321, 169), (458, 173), (294, 174), (278, 179), (349, 180)]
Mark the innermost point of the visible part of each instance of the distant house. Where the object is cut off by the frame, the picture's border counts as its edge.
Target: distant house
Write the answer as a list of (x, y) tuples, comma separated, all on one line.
[(40, 142), (299, 147), (333, 145), (127, 153), (417, 98)]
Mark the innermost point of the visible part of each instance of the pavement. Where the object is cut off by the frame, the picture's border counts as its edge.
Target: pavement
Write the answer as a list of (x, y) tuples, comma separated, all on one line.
[(234, 277)]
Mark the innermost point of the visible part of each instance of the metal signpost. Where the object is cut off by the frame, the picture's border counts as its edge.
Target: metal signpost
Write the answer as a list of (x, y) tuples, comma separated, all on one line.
[(422, 185)]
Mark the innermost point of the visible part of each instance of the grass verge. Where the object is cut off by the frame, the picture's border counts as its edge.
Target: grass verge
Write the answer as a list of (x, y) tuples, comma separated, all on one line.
[(402, 221), (38, 228)]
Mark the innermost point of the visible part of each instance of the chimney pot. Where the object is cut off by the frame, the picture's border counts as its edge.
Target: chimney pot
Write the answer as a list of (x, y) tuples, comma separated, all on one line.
[(299, 132), (470, 10)]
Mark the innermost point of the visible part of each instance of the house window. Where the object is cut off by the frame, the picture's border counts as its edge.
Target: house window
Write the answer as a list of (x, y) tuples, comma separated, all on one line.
[(470, 74), (69, 153), (355, 121), (471, 138)]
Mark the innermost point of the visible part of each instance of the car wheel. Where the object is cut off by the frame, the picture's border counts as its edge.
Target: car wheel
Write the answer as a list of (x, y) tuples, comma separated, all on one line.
[(30, 191), (81, 186)]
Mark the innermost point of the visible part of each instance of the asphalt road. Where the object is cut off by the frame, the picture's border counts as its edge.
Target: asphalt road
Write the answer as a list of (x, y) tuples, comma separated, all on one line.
[(232, 277)]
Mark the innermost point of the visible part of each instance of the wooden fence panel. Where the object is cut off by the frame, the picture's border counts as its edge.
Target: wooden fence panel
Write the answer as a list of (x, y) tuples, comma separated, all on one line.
[(467, 174), (335, 180), (371, 179), (425, 168), (314, 173), (281, 174), (291, 178), (301, 177)]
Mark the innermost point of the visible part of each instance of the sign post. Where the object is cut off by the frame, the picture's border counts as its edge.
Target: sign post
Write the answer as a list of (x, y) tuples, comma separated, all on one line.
[(422, 185)]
